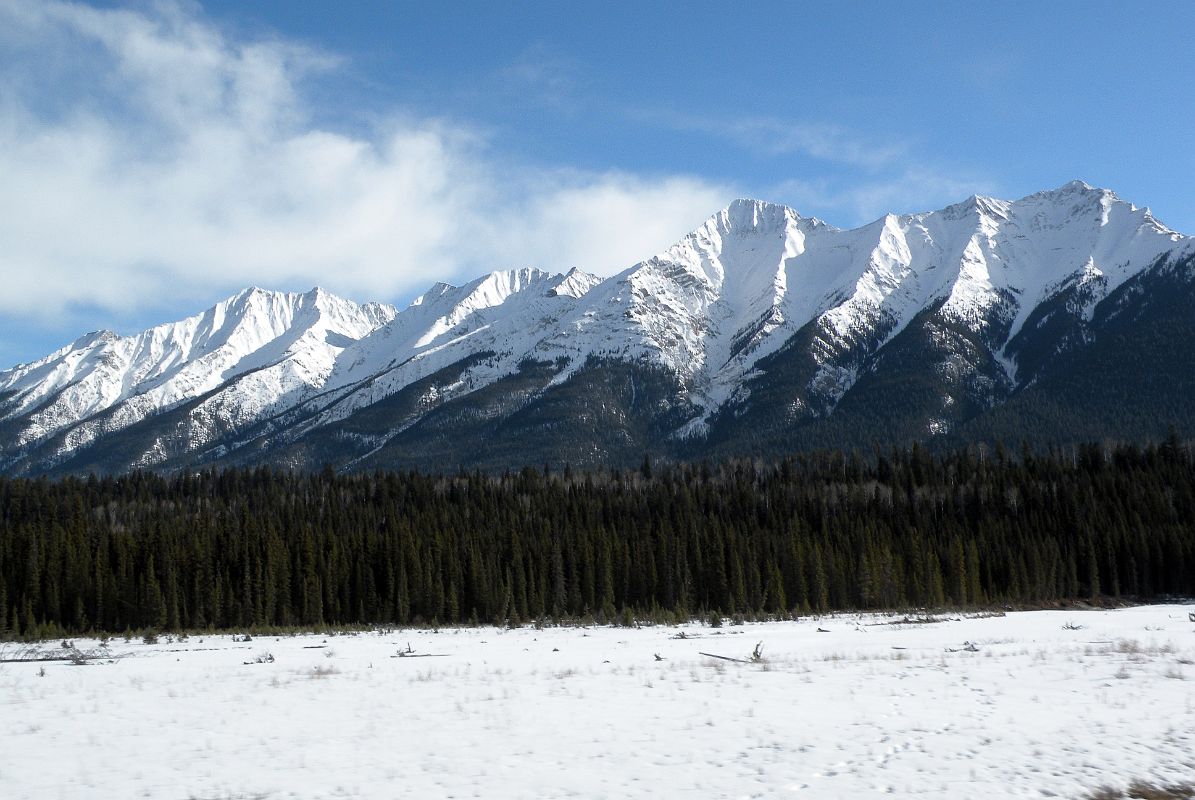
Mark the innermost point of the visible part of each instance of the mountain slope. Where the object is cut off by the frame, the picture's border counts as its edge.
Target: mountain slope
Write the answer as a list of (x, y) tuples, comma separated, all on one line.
[(759, 332), (247, 354)]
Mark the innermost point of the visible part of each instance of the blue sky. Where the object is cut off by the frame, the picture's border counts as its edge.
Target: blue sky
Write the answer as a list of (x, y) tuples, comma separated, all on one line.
[(159, 156)]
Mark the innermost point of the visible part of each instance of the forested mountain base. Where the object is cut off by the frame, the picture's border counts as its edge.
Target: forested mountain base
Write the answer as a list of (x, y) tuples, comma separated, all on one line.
[(236, 549)]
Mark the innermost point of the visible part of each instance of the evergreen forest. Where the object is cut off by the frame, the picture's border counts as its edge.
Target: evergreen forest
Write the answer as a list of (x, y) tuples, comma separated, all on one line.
[(257, 548)]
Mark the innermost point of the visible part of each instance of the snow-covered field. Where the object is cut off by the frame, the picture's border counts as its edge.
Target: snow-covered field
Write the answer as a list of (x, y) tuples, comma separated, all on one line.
[(1050, 703)]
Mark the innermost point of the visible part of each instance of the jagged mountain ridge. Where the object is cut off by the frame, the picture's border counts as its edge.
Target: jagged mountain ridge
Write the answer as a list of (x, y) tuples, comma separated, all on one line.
[(762, 329), (247, 355)]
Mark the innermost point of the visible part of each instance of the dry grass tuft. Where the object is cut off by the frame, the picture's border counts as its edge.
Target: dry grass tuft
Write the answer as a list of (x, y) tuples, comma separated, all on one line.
[(1140, 790), (324, 671)]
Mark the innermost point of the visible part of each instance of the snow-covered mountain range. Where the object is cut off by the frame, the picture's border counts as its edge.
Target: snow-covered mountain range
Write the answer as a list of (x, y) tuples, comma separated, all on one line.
[(759, 332)]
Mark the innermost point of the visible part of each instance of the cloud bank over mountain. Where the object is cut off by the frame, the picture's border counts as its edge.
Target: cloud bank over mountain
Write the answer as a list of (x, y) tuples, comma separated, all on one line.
[(150, 154)]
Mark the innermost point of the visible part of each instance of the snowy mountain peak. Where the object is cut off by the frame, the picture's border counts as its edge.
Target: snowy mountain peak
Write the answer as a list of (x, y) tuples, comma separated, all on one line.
[(575, 283), (91, 339), (1079, 203), (1074, 195), (488, 290), (320, 295), (744, 216), (976, 208), (1080, 187), (491, 290), (990, 206)]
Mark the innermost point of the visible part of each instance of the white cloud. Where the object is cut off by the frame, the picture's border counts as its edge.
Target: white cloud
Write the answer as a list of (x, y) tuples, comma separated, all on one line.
[(147, 155), (602, 223)]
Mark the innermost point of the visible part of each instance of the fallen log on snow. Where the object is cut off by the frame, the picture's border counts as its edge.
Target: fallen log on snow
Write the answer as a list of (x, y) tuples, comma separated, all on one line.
[(409, 653), (726, 658)]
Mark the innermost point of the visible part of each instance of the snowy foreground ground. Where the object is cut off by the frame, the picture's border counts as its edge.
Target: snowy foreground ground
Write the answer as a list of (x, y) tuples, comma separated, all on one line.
[(1051, 704)]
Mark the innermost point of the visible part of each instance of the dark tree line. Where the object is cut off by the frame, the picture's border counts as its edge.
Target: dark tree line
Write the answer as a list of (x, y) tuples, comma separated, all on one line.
[(242, 548)]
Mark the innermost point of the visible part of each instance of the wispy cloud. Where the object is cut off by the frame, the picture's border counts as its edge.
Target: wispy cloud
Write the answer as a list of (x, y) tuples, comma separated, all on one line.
[(543, 76), (824, 141), (909, 189), (847, 176), (148, 155)]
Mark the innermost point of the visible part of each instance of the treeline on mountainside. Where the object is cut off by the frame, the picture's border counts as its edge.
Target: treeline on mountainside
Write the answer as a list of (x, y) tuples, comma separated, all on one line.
[(245, 548)]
